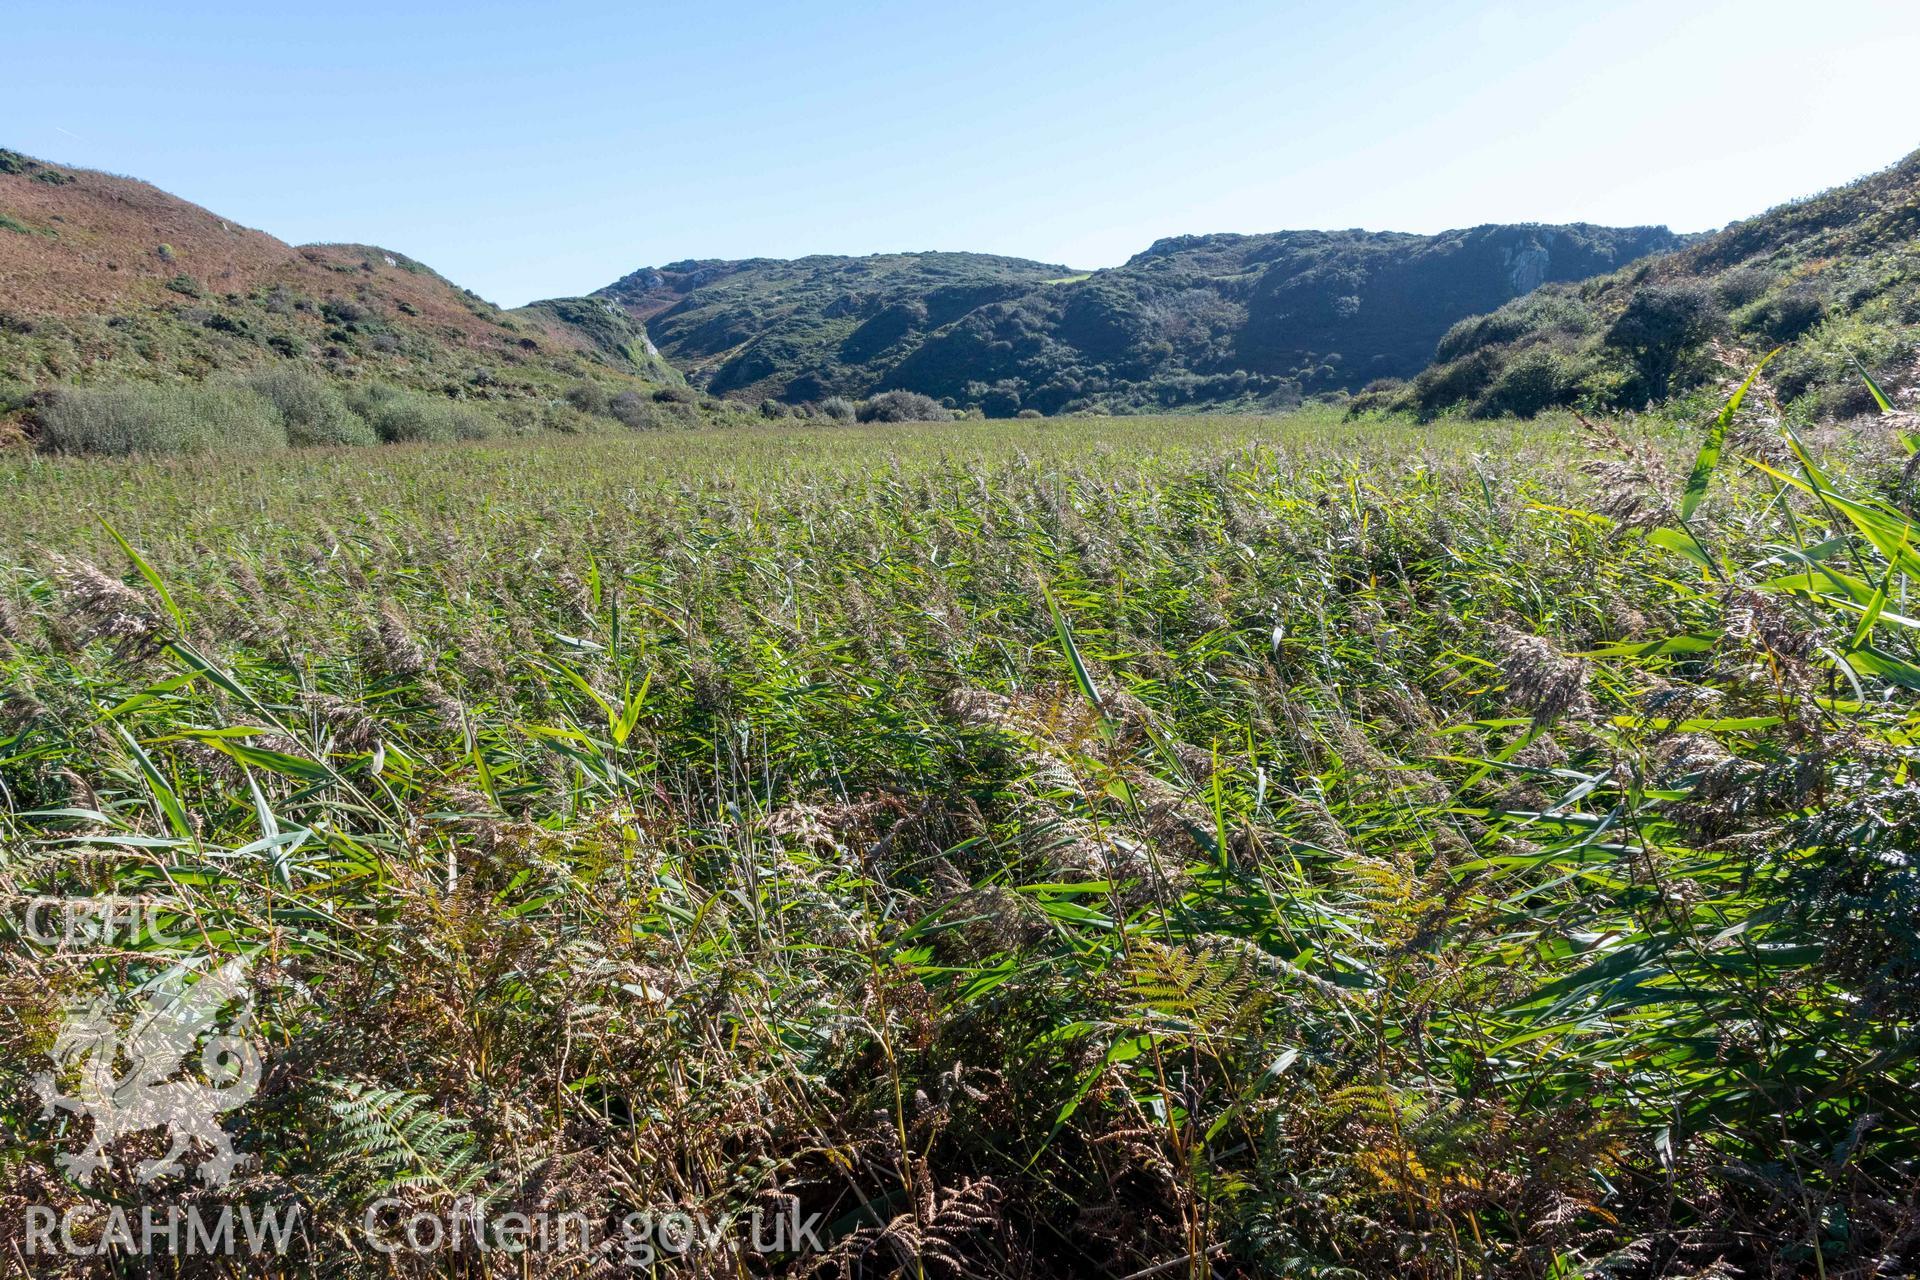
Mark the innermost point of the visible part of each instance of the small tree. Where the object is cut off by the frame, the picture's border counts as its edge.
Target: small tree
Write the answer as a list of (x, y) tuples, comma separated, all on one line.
[(1661, 324)]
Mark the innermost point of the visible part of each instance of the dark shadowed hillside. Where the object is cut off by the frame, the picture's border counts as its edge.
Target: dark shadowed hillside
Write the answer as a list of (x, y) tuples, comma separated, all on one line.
[(1219, 319), (1835, 279), (813, 327)]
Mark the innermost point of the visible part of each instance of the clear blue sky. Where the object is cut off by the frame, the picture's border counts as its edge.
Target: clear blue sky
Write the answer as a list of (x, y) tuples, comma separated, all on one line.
[(535, 149)]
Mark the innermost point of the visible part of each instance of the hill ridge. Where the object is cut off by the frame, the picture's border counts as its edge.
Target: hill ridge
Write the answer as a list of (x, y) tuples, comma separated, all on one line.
[(1221, 318)]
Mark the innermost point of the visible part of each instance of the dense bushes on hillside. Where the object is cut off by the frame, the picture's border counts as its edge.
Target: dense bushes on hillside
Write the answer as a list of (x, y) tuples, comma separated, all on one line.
[(283, 406), (1834, 277), (402, 417), (1659, 325), (142, 418), (312, 411), (268, 410)]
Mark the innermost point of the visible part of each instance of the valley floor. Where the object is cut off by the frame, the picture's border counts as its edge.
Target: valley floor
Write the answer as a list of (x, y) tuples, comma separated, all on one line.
[(1090, 846)]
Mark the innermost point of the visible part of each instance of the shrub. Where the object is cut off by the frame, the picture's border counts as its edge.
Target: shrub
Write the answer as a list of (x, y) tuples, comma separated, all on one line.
[(839, 408), (631, 409), (675, 394), (185, 285), (311, 410), (562, 417), (143, 418), (903, 406), (588, 397), (1029, 413), (1532, 381), (343, 313), (1788, 314), (1743, 285), (410, 417), (1441, 386), (1380, 395), (1538, 314), (1849, 398)]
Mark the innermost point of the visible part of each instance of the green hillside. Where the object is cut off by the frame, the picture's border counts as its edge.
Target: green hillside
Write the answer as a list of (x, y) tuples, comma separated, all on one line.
[(806, 329), (1194, 320), (1835, 279)]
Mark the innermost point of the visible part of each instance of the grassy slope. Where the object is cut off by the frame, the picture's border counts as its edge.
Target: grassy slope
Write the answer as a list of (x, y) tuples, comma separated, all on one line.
[(1194, 320), (1837, 276), (107, 278), (676, 819)]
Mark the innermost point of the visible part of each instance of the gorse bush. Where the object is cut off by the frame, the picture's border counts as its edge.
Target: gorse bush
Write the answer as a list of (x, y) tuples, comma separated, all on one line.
[(146, 418), (1786, 314), (1743, 285), (1529, 317)]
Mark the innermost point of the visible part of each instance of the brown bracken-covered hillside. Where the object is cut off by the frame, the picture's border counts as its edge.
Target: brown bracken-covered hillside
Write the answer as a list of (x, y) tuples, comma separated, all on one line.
[(105, 278)]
